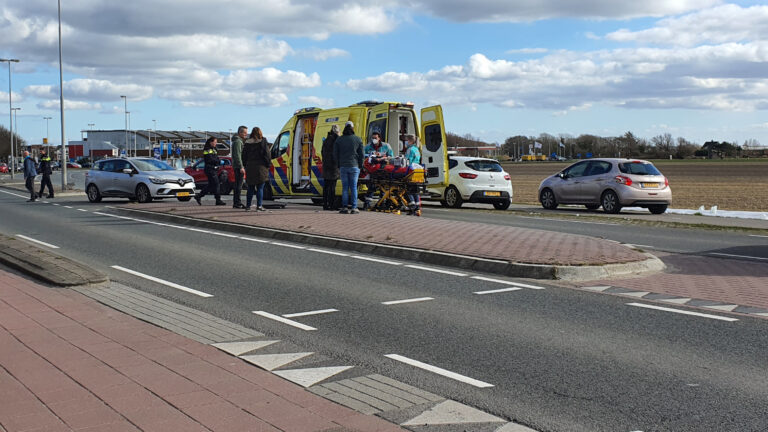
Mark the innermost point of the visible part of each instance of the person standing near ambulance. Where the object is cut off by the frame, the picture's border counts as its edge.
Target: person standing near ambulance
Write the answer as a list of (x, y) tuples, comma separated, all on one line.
[(237, 165), (348, 154), (30, 172), (212, 163), (44, 168), (330, 170), (413, 156)]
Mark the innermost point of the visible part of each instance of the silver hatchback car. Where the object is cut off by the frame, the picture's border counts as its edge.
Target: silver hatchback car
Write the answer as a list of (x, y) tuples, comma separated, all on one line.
[(611, 183), (141, 179)]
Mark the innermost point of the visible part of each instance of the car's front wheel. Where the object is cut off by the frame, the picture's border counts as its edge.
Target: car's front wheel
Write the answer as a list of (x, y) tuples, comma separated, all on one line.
[(142, 194), (453, 197), (547, 199), (502, 205), (657, 208), (93, 193), (610, 202)]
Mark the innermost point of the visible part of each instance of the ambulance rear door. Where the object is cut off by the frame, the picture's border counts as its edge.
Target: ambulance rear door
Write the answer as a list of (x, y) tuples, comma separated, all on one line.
[(280, 171), (434, 151)]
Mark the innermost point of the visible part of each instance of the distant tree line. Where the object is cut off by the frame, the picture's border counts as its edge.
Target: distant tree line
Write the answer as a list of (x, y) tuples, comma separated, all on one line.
[(5, 142), (466, 140), (628, 145)]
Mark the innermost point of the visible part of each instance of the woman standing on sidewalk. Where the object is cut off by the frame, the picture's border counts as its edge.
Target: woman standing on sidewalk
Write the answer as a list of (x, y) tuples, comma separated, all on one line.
[(330, 170), (348, 154), (256, 160)]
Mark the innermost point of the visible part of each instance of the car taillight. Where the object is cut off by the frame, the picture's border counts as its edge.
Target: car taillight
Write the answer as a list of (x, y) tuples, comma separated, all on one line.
[(624, 180), (666, 181), (467, 175), (506, 177)]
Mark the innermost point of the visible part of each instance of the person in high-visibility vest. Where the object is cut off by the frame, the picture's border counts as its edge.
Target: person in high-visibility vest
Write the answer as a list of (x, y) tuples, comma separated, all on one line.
[(44, 168), (212, 163)]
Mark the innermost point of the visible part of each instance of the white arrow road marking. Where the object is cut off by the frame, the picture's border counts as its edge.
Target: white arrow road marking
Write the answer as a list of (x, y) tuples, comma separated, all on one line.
[(316, 312), (163, 282), (439, 371), (284, 320), (698, 314), (239, 348)]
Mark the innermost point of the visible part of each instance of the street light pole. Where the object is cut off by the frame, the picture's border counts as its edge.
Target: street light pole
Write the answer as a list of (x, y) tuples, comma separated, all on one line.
[(15, 122), (128, 133), (10, 112), (125, 115), (90, 149), (61, 109)]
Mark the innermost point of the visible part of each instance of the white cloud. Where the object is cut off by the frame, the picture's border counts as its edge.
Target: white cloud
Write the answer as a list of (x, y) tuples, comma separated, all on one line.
[(53, 104), (91, 90), (15, 96), (323, 54), (316, 101), (527, 51), (530, 10), (724, 24)]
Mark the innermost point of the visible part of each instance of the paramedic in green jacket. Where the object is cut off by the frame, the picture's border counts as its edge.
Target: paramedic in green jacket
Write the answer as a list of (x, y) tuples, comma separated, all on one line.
[(237, 165), (413, 156)]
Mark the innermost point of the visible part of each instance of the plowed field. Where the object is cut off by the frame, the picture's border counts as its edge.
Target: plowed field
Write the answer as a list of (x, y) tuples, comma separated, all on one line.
[(730, 185)]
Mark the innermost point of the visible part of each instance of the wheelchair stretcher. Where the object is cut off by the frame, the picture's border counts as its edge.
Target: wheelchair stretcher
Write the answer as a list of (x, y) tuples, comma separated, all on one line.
[(394, 181)]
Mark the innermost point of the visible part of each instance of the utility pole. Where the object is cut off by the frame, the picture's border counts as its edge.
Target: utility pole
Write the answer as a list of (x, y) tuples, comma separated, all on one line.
[(125, 111), (15, 123), (10, 112), (90, 149), (61, 110)]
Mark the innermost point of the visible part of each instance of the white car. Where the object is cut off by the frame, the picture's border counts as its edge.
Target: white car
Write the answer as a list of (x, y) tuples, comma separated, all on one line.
[(474, 180), (140, 179)]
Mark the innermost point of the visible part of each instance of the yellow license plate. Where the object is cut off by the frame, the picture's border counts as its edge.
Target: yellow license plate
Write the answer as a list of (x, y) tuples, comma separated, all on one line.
[(182, 194), (651, 185), (492, 194)]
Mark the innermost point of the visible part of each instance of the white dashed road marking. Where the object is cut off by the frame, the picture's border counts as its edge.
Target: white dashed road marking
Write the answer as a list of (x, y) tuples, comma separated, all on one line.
[(11, 193), (380, 261), (254, 239), (413, 300), (497, 291), (436, 270), (698, 314), (439, 371), (69, 207), (82, 210), (317, 312), (284, 320), (506, 282), (163, 282), (37, 241), (738, 256), (329, 252), (288, 245)]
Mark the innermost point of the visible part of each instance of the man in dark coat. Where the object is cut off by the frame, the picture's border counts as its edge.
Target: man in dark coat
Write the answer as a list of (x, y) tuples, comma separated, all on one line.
[(348, 154), (30, 172), (330, 170), (44, 168), (237, 165)]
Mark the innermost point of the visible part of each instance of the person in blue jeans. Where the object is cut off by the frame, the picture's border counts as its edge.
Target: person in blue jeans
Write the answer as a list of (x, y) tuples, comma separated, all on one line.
[(413, 156), (348, 154)]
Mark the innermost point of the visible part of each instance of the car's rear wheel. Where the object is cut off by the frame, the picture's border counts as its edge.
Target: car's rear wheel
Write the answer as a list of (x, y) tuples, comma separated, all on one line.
[(592, 206), (657, 208), (547, 199), (142, 194), (453, 197), (502, 205), (610, 202), (93, 193)]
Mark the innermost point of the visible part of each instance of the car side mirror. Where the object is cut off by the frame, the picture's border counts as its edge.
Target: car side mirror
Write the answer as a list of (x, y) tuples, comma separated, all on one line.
[(562, 175), (128, 171)]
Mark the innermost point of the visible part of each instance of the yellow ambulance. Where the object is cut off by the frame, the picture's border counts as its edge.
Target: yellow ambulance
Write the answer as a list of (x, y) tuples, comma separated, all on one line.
[(297, 164)]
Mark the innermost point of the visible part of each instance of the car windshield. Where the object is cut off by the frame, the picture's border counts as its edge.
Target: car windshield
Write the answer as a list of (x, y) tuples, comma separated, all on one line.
[(152, 165), (639, 168), (484, 165)]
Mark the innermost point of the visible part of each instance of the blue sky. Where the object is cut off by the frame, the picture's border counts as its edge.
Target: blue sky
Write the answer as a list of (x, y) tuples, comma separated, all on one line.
[(696, 69)]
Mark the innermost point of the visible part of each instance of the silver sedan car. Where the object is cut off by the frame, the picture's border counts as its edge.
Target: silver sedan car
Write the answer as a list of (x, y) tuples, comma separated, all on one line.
[(611, 183), (141, 179)]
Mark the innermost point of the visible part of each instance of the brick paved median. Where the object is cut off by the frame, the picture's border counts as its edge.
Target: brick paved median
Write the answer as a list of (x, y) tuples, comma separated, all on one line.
[(511, 244), (70, 363)]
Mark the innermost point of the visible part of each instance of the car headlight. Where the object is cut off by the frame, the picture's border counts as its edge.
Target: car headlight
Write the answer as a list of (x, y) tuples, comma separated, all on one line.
[(158, 180)]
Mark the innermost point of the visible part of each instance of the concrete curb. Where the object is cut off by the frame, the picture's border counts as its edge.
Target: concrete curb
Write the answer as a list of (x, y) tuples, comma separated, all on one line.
[(46, 266), (484, 265)]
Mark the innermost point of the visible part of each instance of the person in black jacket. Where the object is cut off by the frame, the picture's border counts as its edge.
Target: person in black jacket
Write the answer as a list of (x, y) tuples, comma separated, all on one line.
[(212, 163), (330, 170), (44, 168)]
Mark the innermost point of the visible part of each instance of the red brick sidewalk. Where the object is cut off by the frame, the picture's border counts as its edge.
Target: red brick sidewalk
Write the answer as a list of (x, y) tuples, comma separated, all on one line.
[(517, 245), (70, 363)]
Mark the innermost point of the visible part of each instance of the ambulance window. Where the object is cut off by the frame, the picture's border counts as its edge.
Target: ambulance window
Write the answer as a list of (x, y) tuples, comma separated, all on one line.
[(282, 144), (379, 126), (433, 137)]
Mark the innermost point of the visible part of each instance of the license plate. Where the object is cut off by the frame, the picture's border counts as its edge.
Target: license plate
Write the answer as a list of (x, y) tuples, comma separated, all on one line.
[(182, 194), (650, 185), (492, 194)]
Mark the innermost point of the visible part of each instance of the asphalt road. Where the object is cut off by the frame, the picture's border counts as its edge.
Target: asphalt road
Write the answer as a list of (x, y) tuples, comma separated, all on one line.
[(558, 359)]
